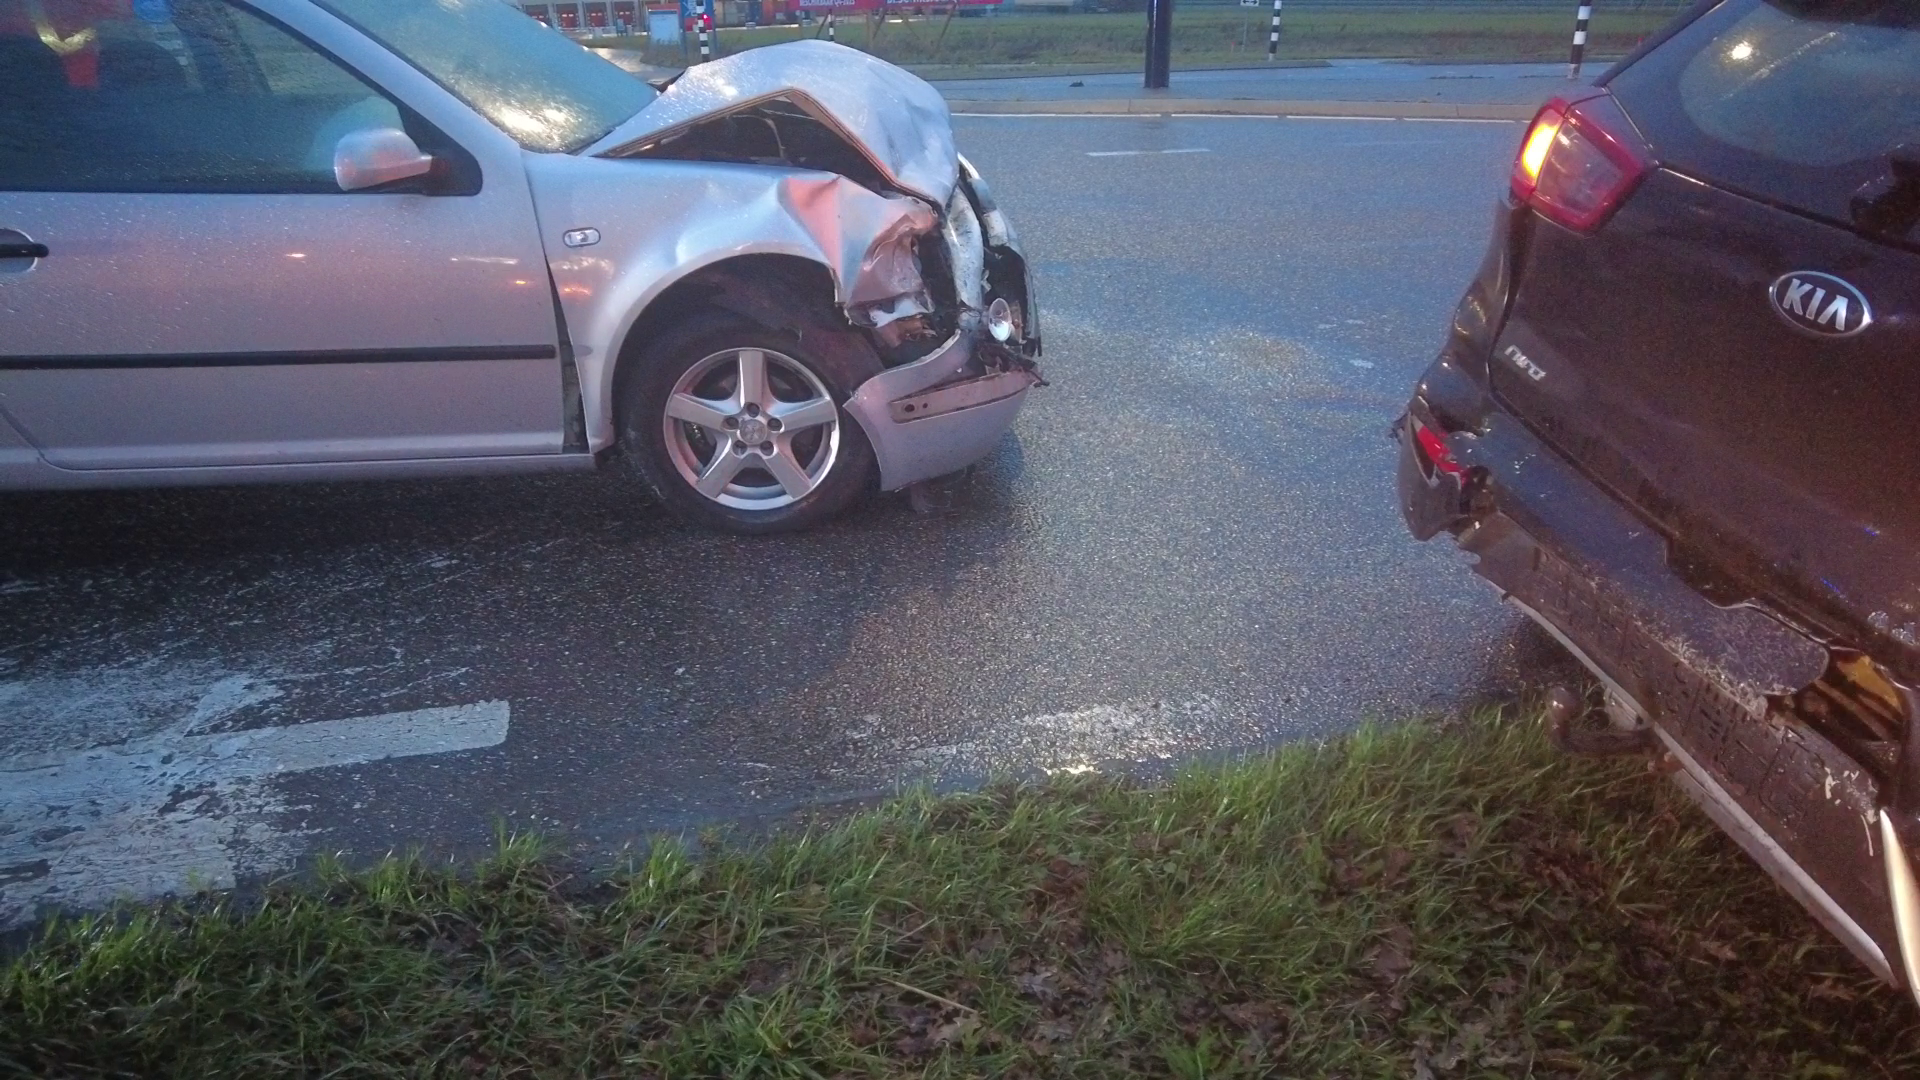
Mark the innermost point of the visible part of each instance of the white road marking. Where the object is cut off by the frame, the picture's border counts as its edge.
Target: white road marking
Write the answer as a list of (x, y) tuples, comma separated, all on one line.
[(1076, 741), (171, 812), (1225, 116), (1136, 153), (1361, 363), (1304, 116), (1454, 120)]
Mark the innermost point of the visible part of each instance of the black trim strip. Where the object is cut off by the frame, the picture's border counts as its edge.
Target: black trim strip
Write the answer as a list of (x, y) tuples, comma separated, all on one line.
[(277, 359)]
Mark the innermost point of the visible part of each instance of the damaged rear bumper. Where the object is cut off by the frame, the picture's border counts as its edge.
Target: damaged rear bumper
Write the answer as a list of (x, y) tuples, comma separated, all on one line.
[(1715, 683)]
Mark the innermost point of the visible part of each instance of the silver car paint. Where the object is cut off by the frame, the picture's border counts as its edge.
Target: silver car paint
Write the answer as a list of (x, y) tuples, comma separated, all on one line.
[(140, 275), (659, 220), (662, 220)]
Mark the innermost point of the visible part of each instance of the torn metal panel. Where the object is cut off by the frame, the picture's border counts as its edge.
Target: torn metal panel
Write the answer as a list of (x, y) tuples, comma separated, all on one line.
[(899, 122), (887, 285)]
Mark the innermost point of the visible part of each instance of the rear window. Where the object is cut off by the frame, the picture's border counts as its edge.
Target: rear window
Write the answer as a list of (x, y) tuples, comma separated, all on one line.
[(1794, 101)]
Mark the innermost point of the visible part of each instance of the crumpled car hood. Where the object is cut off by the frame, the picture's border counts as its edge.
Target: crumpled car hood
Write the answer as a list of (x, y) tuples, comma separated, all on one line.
[(901, 122)]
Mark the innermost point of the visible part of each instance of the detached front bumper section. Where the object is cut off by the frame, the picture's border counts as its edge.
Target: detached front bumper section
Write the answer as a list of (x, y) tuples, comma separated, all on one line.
[(1717, 685)]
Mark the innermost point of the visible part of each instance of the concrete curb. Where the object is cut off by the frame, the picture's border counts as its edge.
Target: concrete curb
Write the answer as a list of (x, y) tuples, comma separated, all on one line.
[(1384, 110)]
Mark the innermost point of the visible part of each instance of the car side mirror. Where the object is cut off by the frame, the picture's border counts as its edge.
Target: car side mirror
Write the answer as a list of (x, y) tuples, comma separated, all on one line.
[(375, 156)]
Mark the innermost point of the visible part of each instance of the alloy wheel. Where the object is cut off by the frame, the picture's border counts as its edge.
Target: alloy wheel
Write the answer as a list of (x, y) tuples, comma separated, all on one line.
[(752, 429)]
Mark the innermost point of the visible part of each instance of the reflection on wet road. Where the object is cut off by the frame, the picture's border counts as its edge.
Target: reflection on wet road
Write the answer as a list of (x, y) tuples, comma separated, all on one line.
[(1188, 548)]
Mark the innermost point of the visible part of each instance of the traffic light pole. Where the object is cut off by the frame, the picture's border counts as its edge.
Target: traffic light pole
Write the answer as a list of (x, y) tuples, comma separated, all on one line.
[(1159, 42)]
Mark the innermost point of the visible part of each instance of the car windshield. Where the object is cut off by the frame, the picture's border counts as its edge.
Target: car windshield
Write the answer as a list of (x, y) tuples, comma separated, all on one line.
[(1796, 101), (548, 93)]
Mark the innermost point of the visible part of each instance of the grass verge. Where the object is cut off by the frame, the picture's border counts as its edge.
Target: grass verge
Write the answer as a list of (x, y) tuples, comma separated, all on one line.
[(1211, 37), (1426, 901)]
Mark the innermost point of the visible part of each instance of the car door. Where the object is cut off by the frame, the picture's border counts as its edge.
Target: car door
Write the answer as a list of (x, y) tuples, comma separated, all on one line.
[(183, 283)]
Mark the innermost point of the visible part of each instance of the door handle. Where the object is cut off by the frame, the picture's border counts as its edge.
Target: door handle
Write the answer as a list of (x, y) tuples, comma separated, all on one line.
[(22, 251)]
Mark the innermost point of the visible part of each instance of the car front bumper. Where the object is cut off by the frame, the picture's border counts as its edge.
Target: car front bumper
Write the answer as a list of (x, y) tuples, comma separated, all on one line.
[(1711, 681), (950, 408), (939, 414)]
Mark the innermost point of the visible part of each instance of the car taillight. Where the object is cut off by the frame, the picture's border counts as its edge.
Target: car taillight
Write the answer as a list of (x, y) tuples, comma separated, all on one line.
[(1579, 161), (1433, 447)]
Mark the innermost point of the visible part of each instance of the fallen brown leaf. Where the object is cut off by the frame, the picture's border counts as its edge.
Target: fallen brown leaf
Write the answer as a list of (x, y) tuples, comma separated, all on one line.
[(1398, 859), (1719, 950), (1393, 957), (1038, 985)]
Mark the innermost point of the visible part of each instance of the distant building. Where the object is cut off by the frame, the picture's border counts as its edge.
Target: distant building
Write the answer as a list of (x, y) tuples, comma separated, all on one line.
[(605, 16), (591, 18)]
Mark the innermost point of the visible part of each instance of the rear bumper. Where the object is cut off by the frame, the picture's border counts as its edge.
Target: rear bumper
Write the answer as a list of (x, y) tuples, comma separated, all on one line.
[(1709, 679)]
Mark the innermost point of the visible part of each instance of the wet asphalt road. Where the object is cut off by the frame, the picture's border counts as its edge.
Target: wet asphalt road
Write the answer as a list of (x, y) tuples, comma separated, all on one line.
[(1188, 548)]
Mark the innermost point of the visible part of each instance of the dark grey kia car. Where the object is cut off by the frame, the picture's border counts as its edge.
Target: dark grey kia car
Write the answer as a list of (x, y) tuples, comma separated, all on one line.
[(1675, 420)]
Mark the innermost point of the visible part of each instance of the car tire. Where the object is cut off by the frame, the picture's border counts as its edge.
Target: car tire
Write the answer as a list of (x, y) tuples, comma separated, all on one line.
[(778, 454)]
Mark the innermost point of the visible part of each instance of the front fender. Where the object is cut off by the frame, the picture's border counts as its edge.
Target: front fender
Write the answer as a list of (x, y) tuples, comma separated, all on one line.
[(659, 221)]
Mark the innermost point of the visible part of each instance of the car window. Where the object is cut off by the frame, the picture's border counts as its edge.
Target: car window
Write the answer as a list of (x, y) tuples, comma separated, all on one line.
[(1796, 101), (170, 96), (531, 82)]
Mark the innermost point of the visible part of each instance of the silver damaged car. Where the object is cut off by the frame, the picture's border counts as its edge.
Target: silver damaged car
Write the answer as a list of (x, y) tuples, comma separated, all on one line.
[(263, 240)]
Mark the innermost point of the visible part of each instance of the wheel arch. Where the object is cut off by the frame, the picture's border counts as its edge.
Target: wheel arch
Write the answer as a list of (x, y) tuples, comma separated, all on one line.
[(770, 288)]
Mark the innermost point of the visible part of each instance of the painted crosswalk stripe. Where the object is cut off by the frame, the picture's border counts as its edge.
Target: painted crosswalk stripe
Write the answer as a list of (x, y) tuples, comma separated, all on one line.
[(170, 812)]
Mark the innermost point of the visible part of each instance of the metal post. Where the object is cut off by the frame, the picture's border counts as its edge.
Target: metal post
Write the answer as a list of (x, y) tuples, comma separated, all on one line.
[(942, 39), (706, 46), (829, 25), (1273, 33), (1579, 39), (1159, 42)]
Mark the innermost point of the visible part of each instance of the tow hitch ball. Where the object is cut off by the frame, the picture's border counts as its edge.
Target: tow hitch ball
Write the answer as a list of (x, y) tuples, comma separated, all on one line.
[(1574, 728)]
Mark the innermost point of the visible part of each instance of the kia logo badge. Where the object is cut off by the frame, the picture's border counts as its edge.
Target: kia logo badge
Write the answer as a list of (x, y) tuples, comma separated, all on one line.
[(1822, 304)]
